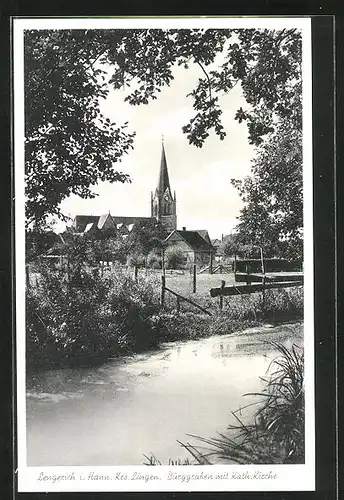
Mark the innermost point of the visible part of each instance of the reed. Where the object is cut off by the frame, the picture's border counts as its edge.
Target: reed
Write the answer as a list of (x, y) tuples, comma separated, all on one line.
[(275, 435)]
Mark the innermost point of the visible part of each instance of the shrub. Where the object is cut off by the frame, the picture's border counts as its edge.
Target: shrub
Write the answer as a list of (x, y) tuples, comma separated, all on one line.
[(82, 317), (136, 260), (174, 258), (154, 260), (245, 310)]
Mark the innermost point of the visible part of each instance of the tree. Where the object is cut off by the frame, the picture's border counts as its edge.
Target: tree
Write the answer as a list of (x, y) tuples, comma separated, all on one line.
[(70, 146), (273, 213), (232, 245), (145, 236), (40, 239)]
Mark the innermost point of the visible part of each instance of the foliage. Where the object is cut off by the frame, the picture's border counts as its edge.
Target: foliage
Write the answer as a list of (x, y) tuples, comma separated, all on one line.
[(38, 241), (277, 432), (70, 146), (174, 257), (154, 260), (232, 245), (152, 460), (273, 213), (248, 310), (146, 236), (109, 249), (136, 259), (80, 316)]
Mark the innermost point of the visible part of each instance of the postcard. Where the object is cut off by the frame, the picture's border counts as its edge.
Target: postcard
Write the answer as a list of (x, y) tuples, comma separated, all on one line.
[(164, 254)]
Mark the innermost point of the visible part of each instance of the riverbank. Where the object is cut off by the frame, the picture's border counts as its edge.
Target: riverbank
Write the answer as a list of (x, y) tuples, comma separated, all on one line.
[(116, 413), (87, 319)]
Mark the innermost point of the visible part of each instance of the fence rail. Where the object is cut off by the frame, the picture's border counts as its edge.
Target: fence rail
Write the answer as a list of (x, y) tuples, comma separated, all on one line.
[(180, 298), (269, 277), (246, 289)]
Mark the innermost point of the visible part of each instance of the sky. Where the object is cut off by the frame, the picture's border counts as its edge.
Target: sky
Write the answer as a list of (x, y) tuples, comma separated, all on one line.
[(200, 176)]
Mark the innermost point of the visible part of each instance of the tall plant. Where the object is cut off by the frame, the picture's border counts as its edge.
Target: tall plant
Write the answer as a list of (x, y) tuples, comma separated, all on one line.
[(276, 434)]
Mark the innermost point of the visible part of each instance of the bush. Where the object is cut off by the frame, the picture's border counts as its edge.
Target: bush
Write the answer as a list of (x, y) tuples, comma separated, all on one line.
[(174, 258), (247, 310), (136, 260), (154, 260), (81, 317)]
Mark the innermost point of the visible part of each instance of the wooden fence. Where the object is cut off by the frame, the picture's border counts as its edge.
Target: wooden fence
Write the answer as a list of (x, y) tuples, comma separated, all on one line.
[(224, 291), (179, 298), (268, 277)]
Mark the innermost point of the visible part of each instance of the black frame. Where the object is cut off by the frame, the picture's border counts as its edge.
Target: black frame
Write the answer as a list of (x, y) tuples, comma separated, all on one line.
[(324, 236)]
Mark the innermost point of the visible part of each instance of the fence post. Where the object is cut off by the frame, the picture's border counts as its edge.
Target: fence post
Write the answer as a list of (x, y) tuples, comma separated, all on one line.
[(248, 279), (262, 260), (27, 275), (178, 304), (263, 293), (194, 278), (223, 283), (163, 282), (235, 264), (135, 272), (211, 263), (163, 261)]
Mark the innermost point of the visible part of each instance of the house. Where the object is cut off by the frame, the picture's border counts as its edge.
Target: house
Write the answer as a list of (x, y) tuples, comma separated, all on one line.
[(195, 244), (216, 243)]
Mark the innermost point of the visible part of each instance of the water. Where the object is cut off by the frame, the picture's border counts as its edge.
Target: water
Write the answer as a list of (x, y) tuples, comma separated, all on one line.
[(116, 413)]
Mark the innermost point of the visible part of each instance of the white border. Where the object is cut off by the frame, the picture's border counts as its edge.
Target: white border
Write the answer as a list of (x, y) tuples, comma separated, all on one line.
[(288, 477)]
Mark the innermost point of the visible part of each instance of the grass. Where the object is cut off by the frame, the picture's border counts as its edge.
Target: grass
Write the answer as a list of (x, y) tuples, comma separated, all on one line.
[(85, 318), (152, 460), (275, 435)]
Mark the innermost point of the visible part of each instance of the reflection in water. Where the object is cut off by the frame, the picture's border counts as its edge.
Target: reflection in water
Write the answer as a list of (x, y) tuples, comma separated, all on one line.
[(113, 414)]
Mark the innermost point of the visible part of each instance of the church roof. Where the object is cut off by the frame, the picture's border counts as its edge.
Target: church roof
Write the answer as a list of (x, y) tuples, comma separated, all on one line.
[(164, 181), (129, 220), (81, 221), (84, 223)]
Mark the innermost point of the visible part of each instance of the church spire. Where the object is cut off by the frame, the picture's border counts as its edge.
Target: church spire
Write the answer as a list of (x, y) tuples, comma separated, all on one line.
[(163, 181), (163, 204)]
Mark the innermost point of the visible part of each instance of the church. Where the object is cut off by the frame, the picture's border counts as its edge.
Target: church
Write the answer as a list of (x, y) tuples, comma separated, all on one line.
[(163, 208)]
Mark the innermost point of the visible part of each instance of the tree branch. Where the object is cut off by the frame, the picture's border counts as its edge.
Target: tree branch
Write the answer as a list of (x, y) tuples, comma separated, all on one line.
[(206, 74)]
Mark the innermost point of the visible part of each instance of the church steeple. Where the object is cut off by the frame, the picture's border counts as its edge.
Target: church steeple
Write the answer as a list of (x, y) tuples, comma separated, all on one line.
[(164, 181), (163, 203)]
